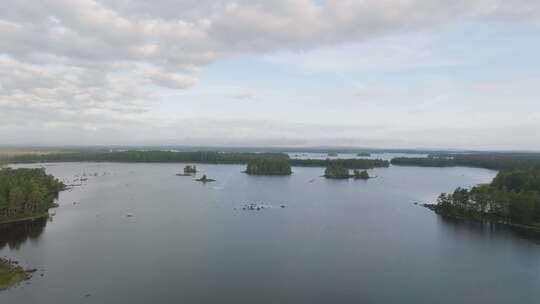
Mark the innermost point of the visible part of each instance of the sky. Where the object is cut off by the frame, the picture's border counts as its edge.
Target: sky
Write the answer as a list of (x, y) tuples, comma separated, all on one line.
[(461, 74)]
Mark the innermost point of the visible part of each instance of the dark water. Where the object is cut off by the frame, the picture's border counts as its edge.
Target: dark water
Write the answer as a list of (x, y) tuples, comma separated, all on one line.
[(337, 242)]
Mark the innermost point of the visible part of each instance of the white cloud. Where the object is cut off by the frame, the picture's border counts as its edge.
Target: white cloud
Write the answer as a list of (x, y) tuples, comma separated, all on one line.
[(91, 62), (171, 80)]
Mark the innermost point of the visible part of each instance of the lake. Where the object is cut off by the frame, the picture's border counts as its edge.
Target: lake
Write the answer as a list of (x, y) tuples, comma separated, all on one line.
[(136, 233)]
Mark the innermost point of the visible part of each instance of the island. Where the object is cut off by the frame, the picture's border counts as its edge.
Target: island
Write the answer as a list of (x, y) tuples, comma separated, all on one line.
[(336, 171), (189, 170), (205, 179), (512, 198), (357, 174), (332, 154), (269, 166), (26, 194), (11, 273)]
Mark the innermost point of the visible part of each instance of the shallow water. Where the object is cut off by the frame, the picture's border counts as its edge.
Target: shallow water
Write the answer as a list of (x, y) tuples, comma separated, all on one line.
[(336, 242)]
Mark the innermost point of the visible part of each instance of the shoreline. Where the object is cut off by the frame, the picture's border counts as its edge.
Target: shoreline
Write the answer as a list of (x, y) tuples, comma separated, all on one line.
[(11, 274), (26, 218), (528, 228)]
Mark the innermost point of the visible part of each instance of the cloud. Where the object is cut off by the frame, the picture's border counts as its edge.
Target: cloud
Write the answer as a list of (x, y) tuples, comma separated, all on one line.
[(64, 62), (172, 81)]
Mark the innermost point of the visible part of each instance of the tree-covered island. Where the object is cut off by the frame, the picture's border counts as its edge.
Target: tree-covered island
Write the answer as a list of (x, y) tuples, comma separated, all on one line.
[(338, 171), (189, 170), (357, 174), (269, 166), (513, 197), (26, 194)]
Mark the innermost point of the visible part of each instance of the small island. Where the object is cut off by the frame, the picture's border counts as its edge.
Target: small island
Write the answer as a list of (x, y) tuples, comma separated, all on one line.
[(332, 154), (11, 274), (269, 166), (363, 154), (189, 170), (357, 174), (27, 194), (205, 179), (337, 171)]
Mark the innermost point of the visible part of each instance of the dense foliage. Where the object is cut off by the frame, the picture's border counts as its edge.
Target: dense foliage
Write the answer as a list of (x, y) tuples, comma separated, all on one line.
[(493, 160), (209, 157), (336, 171), (190, 169), (513, 196), (346, 163), (357, 174), (269, 166), (26, 192)]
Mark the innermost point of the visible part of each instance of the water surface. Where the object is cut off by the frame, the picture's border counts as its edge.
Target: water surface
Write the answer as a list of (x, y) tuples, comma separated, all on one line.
[(336, 242)]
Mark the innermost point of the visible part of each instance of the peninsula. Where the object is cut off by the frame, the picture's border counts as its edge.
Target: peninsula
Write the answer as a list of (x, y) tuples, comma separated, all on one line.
[(26, 194)]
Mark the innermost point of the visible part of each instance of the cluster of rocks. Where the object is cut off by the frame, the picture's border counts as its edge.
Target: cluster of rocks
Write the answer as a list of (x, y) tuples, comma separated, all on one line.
[(258, 207)]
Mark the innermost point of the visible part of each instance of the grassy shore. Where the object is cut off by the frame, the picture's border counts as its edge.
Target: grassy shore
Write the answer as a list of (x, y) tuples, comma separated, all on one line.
[(11, 274)]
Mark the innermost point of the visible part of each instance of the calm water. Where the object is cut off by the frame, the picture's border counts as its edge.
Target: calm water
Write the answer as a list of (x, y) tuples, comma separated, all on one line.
[(337, 242), (383, 156)]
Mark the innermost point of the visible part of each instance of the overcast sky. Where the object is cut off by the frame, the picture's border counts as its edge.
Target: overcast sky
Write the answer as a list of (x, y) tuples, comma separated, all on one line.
[(371, 73)]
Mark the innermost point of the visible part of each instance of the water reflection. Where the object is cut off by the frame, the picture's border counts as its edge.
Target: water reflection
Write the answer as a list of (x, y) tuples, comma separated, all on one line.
[(487, 229), (15, 234)]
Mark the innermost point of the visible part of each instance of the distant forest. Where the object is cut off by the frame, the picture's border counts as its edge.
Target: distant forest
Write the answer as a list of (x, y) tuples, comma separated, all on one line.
[(494, 160), (208, 157)]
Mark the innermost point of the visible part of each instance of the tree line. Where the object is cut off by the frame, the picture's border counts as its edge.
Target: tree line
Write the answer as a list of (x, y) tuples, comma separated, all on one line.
[(487, 160), (269, 166), (352, 163), (513, 196), (208, 157), (26, 192)]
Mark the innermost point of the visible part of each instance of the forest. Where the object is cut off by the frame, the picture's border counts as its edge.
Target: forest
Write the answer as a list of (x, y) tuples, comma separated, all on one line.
[(208, 157), (512, 197), (26, 193), (352, 163), (135, 156), (487, 160), (269, 166)]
